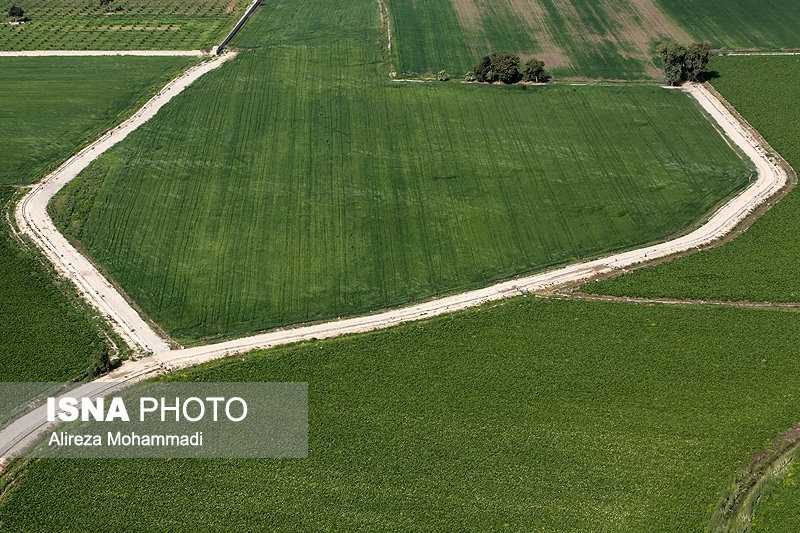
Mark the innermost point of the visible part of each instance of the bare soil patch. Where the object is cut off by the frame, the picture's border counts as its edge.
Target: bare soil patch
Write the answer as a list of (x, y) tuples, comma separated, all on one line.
[(535, 15), (469, 14)]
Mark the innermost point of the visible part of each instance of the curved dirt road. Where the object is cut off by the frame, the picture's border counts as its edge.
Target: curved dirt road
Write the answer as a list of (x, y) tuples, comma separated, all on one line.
[(34, 221)]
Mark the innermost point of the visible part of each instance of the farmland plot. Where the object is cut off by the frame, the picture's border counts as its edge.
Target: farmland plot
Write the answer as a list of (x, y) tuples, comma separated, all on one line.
[(760, 265), (526, 415), (122, 25), (45, 335), (296, 184), (583, 38), (756, 24), (50, 107), (777, 511)]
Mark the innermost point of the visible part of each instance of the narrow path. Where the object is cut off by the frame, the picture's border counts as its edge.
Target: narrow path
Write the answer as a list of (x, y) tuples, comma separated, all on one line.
[(103, 53), (738, 304), (33, 220)]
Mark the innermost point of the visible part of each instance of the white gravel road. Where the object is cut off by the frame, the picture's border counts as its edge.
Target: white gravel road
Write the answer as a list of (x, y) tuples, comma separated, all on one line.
[(34, 221)]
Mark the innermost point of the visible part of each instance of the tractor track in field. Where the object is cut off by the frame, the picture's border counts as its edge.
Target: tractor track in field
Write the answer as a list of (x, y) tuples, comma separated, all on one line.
[(774, 176)]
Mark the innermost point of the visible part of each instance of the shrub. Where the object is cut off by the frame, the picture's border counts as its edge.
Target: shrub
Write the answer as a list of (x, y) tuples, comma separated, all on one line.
[(469, 76), (442, 75), (534, 71), (16, 12)]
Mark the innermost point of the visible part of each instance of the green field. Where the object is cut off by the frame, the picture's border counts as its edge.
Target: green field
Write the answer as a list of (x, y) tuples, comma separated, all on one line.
[(45, 335), (297, 184), (124, 25), (51, 106), (576, 38), (777, 511), (760, 265), (764, 24), (528, 415)]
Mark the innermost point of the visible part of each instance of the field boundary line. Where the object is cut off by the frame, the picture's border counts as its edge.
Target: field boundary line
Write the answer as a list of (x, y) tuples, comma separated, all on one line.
[(104, 53), (641, 300), (236, 27), (792, 52), (772, 179), (33, 219)]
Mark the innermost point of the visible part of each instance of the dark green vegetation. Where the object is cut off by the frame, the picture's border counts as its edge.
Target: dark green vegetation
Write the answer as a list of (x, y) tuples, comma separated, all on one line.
[(760, 265), (777, 511), (297, 183), (739, 23), (44, 334), (498, 67), (51, 106), (121, 24), (529, 415), (576, 38), (685, 63)]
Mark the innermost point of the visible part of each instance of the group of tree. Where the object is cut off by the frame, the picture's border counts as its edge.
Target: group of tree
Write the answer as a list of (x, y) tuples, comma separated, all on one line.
[(684, 63), (505, 68)]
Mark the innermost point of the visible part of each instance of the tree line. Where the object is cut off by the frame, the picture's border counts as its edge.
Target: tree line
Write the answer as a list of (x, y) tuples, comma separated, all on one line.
[(505, 68)]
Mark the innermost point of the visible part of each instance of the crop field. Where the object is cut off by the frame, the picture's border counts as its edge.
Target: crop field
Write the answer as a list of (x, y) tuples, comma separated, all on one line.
[(124, 25), (45, 335), (297, 184), (50, 107), (527, 415), (777, 511), (760, 265), (764, 24), (576, 38)]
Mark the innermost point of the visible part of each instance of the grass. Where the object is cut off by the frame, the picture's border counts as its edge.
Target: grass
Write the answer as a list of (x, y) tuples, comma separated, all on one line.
[(50, 107), (45, 334), (612, 39), (297, 184), (761, 264), (777, 511), (765, 24), (532, 414), (124, 25)]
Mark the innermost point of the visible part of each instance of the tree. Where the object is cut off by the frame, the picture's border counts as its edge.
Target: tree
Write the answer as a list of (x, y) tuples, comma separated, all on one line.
[(483, 70), (442, 75), (696, 61), (673, 55), (506, 68), (498, 67), (16, 12), (470, 76), (682, 63), (534, 71)]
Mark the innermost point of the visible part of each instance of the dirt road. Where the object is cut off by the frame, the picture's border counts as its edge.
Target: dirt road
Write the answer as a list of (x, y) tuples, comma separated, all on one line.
[(33, 220)]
